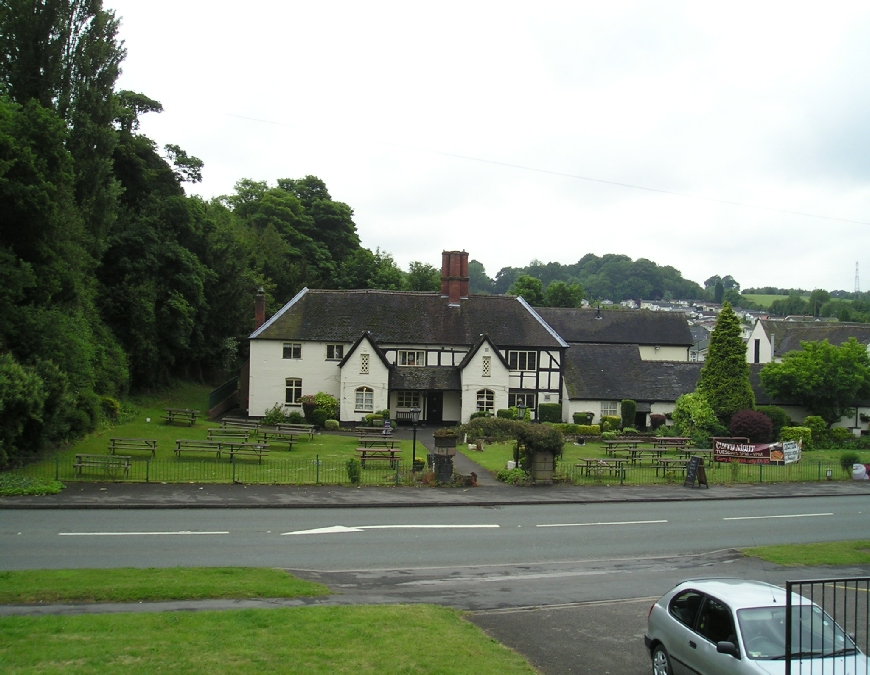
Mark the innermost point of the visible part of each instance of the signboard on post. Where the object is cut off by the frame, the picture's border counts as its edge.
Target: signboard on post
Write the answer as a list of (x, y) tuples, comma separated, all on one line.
[(786, 452), (695, 472)]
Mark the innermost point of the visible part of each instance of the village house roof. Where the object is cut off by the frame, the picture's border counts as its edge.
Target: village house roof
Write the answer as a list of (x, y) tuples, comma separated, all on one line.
[(407, 318), (435, 378), (787, 335), (638, 327), (615, 372)]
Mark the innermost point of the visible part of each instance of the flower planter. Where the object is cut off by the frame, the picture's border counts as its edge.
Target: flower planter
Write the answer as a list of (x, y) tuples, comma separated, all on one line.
[(445, 445)]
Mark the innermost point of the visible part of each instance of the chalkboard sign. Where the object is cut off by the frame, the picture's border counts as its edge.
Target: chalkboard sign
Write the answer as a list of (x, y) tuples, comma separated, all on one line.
[(695, 471)]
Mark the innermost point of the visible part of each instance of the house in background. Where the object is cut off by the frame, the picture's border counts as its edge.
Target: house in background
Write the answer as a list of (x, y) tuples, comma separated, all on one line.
[(700, 344), (770, 340)]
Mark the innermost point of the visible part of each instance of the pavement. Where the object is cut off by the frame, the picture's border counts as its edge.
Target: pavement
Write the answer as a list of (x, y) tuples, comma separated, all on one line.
[(488, 492)]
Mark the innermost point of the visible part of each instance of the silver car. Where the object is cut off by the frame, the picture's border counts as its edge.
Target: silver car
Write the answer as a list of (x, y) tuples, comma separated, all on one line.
[(719, 626)]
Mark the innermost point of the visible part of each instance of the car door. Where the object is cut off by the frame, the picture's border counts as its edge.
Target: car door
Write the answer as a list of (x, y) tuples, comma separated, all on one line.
[(683, 611), (715, 623)]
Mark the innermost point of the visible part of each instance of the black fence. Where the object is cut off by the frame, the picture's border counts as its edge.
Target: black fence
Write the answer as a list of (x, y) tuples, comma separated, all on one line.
[(826, 626)]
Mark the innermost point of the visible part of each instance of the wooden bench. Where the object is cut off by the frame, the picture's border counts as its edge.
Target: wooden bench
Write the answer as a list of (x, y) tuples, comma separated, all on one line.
[(666, 464), (299, 429), (185, 415), (677, 442), (379, 454), (257, 450), (631, 443), (598, 467), (228, 433), (108, 463), (133, 444), (377, 440), (252, 426), (184, 445), (279, 434)]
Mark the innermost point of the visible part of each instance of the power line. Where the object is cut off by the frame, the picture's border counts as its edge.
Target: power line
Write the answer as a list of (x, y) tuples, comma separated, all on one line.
[(579, 177)]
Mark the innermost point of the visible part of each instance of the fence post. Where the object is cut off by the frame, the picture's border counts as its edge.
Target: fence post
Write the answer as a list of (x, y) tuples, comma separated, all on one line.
[(147, 468), (317, 469), (622, 475), (397, 472), (57, 466), (820, 469), (761, 473), (233, 460)]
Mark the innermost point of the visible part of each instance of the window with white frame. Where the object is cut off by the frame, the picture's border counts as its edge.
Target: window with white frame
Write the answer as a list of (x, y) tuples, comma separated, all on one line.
[(364, 364), (609, 408), (334, 352), (527, 400), (522, 360), (411, 357), (365, 399), (408, 399), (292, 350), (292, 390), (485, 400), (486, 366)]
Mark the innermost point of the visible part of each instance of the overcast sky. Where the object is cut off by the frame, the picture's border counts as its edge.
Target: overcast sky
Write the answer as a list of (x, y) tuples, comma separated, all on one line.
[(500, 127)]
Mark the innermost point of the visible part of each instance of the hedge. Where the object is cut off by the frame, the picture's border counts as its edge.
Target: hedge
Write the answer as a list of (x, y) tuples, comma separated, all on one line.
[(796, 434), (550, 412)]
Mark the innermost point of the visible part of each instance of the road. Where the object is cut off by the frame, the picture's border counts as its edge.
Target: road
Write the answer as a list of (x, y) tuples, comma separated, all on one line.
[(578, 577)]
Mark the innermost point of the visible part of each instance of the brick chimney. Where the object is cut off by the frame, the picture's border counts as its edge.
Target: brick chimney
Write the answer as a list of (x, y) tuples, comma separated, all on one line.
[(454, 276), (260, 308)]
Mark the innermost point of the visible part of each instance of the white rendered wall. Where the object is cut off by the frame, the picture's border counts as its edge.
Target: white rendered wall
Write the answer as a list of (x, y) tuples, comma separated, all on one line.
[(651, 353), (377, 379)]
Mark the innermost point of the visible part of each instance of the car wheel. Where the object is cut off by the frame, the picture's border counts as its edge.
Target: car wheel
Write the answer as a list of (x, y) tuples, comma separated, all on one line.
[(661, 663)]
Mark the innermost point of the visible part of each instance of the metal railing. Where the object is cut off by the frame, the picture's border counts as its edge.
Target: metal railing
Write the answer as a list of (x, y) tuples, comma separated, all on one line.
[(810, 635)]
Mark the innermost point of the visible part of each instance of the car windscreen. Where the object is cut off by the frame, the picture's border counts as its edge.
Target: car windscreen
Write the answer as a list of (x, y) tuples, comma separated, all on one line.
[(814, 633)]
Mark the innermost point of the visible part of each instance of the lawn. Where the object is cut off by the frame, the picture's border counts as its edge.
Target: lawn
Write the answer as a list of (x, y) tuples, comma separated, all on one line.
[(404, 639), (151, 584), (767, 300), (829, 553)]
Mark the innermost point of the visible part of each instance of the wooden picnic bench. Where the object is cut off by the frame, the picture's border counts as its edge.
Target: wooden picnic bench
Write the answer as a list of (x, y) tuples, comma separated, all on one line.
[(632, 443), (387, 454), (686, 453), (665, 464), (677, 442), (299, 429), (598, 467), (228, 433), (258, 450), (108, 463), (637, 454), (240, 423), (185, 415), (279, 434), (133, 444), (185, 445), (377, 440)]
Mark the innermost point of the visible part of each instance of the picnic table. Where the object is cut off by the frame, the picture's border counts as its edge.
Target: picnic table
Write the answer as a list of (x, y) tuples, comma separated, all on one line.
[(298, 429), (108, 463), (229, 433), (666, 464), (688, 452), (186, 445), (636, 455), (240, 423), (632, 443), (597, 467), (185, 415), (372, 440), (389, 454), (130, 444), (677, 442), (257, 450), (280, 434)]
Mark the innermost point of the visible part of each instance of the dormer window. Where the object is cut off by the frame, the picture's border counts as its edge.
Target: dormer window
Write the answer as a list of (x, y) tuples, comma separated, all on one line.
[(407, 357), (522, 360)]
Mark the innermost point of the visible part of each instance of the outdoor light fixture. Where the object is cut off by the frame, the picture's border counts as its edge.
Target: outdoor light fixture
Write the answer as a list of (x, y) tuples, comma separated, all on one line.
[(415, 417)]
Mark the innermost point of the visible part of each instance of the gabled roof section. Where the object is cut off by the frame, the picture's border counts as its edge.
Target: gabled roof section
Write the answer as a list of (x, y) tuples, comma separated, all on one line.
[(630, 327), (407, 318), (484, 339), (543, 323), (788, 335), (378, 351), (275, 317), (430, 378), (615, 372)]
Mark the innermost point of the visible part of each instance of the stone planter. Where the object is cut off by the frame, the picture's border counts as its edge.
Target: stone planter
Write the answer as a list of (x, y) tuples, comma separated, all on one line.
[(542, 468), (445, 445)]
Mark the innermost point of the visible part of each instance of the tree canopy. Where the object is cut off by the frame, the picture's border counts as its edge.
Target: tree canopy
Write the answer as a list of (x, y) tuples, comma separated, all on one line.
[(828, 380)]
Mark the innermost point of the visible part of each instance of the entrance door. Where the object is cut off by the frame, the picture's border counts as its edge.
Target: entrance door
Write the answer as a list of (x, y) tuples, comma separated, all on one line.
[(434, 406)]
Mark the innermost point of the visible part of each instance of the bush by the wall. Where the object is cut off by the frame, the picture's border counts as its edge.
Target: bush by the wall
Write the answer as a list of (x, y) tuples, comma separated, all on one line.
[(816, 424), (480, 413), (588, 430), (354, 470), (506, 413), (275, 415), (331, 425), (295, 418), (628, 408), (797, 434), (608, 435), (847, 459), (319, 417), (778, 417), (610, 422), (583, 418), (752, 424), (656, 420), (491, 429), (565, 428), (550, 412)]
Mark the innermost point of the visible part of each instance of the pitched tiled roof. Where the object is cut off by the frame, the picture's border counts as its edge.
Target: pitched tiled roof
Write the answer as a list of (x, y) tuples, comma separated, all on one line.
[(635, 327), (788, 335), (429, 378), (615, 372), (394, 317)]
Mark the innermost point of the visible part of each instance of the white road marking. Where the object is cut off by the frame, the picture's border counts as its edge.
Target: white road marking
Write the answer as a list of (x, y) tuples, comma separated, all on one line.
[(127, 534), (792, 515), (340, 529), (622, 522)]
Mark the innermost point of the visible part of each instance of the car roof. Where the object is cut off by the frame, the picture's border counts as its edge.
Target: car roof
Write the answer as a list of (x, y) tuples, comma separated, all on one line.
[(739, 593)]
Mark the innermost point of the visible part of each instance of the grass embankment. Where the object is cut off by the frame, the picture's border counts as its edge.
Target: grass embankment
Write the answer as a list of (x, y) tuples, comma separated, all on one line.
[(310, 640), (151, 585), (829, 553), (767, 300)]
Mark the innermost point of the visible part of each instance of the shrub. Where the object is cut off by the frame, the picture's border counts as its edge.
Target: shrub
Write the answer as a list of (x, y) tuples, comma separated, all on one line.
[(628, 408), (513, 476), (583, 418), (319, 417), (331, 425), (656, 420), (608, 435), (328, 403), (506, 413), (630, 431), (804, 434), (778, 417), (492, 429), (480, 413), (354, 470), (847, 459), (755, 426), (295, 417), (588, 430), (816, 424), (550, 412), (610, 423), (12, 484), (110, 407), (567, 428), (694, 417), (275, 415)]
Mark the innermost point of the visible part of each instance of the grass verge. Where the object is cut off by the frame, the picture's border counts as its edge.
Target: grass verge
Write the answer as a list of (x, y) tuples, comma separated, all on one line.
[(829, 553), (16, 485), (151, 585), (310, 640)]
